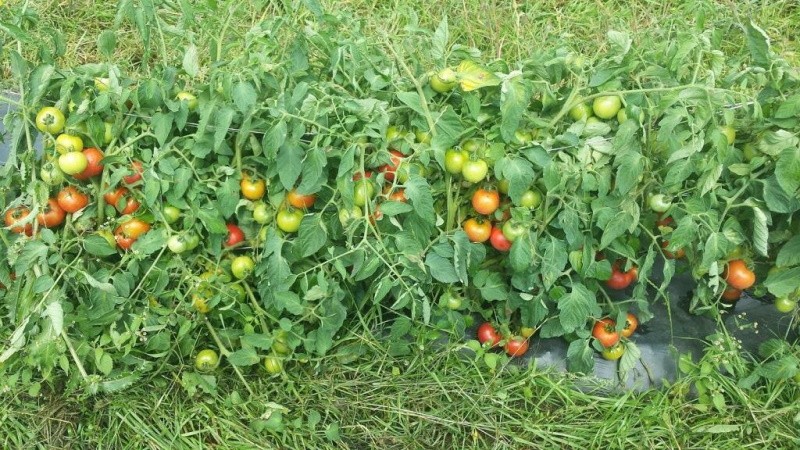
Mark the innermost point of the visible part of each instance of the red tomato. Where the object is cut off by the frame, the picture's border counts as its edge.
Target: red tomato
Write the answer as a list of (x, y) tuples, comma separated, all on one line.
[(129, 204), (678, 254), (136, 169), (390, 169), (485, 201), (94, 156), (235, 235), (731, 295), (488, 333), (52, 216), (499, 240), (129, 231), (516, 346), (71, 200), (16, 215), (738, 276), (604, 331)]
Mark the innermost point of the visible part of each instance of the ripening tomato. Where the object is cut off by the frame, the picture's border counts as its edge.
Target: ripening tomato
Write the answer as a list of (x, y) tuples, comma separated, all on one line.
[(390, 169), (66, 143), (631, 324), (129, 231), (252, 189), (677, 254), (485, 201), (614, 352), (663, 221), (488, 333), (738, 276), (71, 200), (397, 195), (15, 216), (516, 346), (301, 201), (235, 235), (50, 120), (73, 163), (52, 216), (478, 230), (605, 332), (94, 167), (136, 170), (499, 241)]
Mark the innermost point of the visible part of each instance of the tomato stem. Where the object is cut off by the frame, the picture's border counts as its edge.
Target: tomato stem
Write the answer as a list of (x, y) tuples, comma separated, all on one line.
[(225, 352)]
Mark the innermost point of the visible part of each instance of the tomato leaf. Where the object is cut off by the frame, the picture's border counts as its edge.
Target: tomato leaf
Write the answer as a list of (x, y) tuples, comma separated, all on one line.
[(491, 285), (162, 126), (332, 314), (519, 173), (212, 219), (244, 96), (413, 101), (784, 282), (106, 43), (243, 357), (419, 194), (34, 252), (787, 170), (312, 235), (758, 44), (553, 260), (760, 231), (439, 40), (580, 356), (789, 254), (515, 94), (576, 307), (98, 246), (441, 268), (777, 199), (629, 359)]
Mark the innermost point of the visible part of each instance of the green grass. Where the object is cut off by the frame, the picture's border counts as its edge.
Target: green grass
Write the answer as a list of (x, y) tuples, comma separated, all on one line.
[(436, 398)]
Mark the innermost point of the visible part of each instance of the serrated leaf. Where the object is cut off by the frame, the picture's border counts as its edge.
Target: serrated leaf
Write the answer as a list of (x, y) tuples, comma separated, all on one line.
[(439, 41), (553, 260), (758, 44), (491, 285), (106, 43), (244, 96), (312, 235), (290, 160), (97, 245), (441, 269), (789, 254), (629, 359), (620, 42), (419, 194), (519, 173), (190, 63), (760, 232), (412, 100), (472, 76), (576, 308), (787, 171), (56, 314), (580, 357), (515, 94), (243, 357), (784, 282), (162, 126)]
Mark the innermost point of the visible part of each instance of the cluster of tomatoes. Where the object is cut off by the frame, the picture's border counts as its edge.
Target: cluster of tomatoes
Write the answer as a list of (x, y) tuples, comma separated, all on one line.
[(612, 339), (516, 345), (79, 167)]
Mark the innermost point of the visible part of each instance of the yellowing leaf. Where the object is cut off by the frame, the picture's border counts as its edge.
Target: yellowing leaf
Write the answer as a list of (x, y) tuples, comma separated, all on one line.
[(471, 76)]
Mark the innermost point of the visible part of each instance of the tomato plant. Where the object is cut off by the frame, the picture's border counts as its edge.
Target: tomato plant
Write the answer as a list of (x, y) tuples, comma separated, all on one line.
[(393, 166), (302, 201)]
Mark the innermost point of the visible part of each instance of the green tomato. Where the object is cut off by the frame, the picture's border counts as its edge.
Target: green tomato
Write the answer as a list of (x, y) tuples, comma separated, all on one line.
[(51, 174), (405, 171), (503, 186), (513, 230), (750, 151), (242, 267), (280, 343), (729, 132), (785, 304), (454, 160), (473, 146), (177, 243), (423, 137), (273, 365), (607, 106), (451, 300), (659, 203), (531, 198), (444, 80), (50, 120), (288, 220), (364, 191), (206, 360), (580, 111), (394, 133), (262, 213), (475, 171), (189, 98), (347, 216), (171, 214)]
